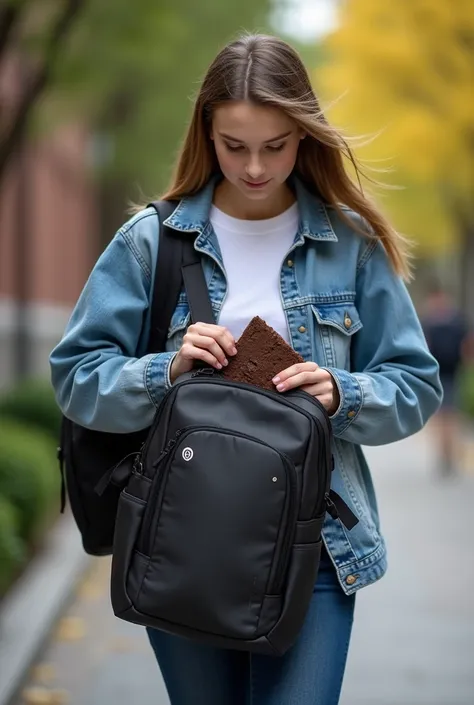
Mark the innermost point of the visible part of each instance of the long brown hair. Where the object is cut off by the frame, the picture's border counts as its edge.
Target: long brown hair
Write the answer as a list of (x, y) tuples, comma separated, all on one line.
[(267, 71)]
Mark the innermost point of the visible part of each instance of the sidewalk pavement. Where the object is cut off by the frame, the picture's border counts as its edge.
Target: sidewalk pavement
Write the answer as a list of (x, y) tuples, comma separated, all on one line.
[(413, 641)]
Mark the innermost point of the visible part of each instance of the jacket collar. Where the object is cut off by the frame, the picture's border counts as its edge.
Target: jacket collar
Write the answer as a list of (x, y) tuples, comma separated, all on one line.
[(192, 213)]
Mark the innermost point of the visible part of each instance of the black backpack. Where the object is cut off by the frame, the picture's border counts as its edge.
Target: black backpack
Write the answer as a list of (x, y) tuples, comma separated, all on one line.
[(218, 531), (85, 456), (221, 503)]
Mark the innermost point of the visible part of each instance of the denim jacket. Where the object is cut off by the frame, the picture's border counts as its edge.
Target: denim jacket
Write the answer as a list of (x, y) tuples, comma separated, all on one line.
[(346, 310)]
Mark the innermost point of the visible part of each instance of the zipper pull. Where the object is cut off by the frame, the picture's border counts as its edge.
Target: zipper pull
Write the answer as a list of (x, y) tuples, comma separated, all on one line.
[(172, 442), (169, 446), (159, 458), (331, 507), (204, 372), (137, 463)]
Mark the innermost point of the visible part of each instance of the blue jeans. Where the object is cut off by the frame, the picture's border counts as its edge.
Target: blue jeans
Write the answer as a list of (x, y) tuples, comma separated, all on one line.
[(310, 673)]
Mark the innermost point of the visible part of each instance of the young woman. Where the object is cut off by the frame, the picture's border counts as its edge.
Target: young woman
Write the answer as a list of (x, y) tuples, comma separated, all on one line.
[(284, 234)]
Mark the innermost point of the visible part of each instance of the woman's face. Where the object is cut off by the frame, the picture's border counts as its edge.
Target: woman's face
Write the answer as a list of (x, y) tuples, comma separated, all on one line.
[(256, 147)]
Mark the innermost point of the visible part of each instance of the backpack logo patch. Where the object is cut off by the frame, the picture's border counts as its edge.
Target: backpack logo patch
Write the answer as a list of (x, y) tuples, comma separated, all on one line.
[(187, 454)]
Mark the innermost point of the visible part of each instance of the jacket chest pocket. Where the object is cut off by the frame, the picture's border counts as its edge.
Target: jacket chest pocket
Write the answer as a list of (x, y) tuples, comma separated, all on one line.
[(335, 324)]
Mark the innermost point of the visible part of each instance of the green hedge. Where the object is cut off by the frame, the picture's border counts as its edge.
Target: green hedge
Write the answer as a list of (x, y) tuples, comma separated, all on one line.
[(12, 548), (29, 476), (32, 402)]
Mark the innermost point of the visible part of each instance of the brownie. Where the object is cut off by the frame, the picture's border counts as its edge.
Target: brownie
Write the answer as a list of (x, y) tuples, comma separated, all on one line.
[(261, 354)]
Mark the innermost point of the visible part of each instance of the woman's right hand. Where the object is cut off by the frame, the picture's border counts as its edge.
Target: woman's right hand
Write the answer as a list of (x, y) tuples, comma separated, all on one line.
[(206, 342)]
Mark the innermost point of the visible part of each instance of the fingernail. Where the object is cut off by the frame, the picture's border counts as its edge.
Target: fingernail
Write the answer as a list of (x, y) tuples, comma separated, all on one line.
[(280, 387), (219, 366), (226, 362), (275, 380), (234, 351)]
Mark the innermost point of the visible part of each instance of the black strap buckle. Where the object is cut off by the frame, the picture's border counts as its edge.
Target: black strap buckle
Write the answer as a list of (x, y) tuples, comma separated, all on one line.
[(338, 509)]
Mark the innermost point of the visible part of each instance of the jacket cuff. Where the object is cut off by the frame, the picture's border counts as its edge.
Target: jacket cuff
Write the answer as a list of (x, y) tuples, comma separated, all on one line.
[(350, 399), (157, 376)]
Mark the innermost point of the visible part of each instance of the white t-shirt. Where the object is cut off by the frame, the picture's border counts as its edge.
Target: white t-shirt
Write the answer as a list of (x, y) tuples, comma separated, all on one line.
[(253, 253)]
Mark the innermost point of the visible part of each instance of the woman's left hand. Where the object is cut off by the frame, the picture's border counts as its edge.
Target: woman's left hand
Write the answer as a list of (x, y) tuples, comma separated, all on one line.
[(311, 378)]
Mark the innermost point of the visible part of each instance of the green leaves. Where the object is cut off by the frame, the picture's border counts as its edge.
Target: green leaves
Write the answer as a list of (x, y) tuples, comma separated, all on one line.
[(126, 69), (130, 69)]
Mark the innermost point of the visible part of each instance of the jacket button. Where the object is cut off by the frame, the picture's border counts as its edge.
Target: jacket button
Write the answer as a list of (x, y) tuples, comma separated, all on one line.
[(351, 579), (302, 329), (351, 414), (290, 263), (347, 322)]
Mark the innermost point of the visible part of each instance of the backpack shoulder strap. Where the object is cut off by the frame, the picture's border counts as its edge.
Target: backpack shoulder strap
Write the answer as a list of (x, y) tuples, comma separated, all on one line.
[(177, 261), (168, 278), (195, 284)]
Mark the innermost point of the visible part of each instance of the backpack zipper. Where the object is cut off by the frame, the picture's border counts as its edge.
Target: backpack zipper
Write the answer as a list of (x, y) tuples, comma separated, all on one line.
[(216, 378), (211, 372), (213, 377), (287, 541), (154, 500)]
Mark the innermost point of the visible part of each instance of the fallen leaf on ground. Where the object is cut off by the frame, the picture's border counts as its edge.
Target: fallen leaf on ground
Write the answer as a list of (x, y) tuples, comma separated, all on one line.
[(43, 696), (90, 590), (122, 643), (70, 629), (44, 673)]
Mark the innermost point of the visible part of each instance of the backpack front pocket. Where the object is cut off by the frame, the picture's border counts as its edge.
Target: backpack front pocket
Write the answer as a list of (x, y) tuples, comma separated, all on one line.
[(219, 526)]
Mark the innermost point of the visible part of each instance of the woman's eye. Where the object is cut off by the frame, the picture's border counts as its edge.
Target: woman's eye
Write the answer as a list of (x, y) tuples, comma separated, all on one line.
[(278, 148), (241, 147)]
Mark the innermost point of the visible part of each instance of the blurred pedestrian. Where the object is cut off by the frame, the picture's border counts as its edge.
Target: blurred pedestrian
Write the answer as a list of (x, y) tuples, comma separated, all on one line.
[(285, 234), (446, 332)]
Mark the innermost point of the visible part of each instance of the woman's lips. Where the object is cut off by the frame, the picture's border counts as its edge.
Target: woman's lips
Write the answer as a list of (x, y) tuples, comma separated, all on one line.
[(256, 185)]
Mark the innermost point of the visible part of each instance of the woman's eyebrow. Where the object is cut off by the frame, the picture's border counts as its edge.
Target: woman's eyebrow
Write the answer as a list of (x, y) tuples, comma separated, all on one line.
[(274, 139)]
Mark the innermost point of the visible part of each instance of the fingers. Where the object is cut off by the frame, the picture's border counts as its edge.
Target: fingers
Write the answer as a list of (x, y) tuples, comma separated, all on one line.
[(220, 334), (305, 372), (329, 399), (194, 345), (323, 386), (191, 352), (300, 367), (313, 380), (209, 343)]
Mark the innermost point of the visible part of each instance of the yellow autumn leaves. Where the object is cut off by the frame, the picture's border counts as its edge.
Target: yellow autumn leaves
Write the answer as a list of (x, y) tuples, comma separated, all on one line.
[(405, 70)]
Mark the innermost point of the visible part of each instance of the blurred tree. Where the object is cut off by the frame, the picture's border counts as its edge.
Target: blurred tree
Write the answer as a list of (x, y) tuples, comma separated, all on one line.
[(45, 33), (405, 69), (131, 69), (32, 39), (127, 69), (123, 69)]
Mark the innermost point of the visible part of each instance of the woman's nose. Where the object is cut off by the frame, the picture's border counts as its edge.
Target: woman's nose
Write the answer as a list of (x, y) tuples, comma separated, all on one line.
[(255, 168)]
